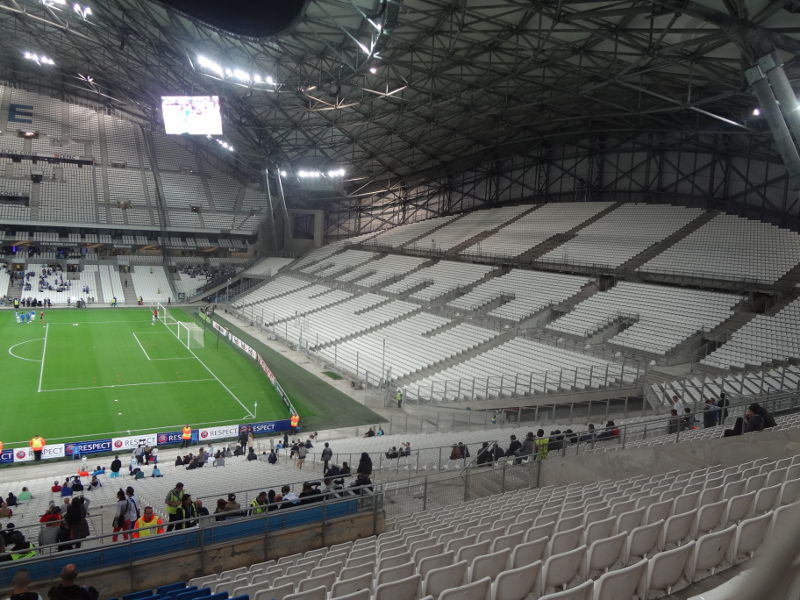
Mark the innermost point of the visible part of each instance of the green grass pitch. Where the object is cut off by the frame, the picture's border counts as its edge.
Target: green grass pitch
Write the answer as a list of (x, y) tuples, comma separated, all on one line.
[(86, 374)]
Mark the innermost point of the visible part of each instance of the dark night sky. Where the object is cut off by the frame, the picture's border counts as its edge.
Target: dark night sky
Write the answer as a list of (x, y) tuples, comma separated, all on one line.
[(246, 17)]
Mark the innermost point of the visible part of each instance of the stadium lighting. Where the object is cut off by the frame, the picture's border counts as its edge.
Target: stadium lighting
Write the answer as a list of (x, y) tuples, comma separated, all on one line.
[(756, 112), (373, 70), (82, 11), (54, 2), (235, 73), (223, 143), (284, 173), (331, 174), (39, 59)]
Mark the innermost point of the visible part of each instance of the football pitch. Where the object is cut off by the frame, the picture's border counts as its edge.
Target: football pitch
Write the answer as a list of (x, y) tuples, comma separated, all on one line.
[(95, 373)]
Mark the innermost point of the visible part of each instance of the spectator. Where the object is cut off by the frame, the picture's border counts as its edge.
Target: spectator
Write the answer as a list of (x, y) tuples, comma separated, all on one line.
[(232, 505), (219, 460), (301, 456), (218, 512), (365, 464), (485, 455), (11, 500), (542, 444), (67, 588), (116, 465), (590, 434), (19, 587), (678, 404), (148, 524), (345, 468), (56, 487), (688, 419), (258, 504), (51, 523), (769, 420), (156, 471), (187, 513), (24, 495), (711, 413), (202, 511), (753, 419), (380, 431), (76, 485), (243, 437), (123, 516), (326, 456), (513, 447), (362, 484), (309, 494), (94, 483), (528, 447), (21, 548), (674, 422), (251, 441), (272, 458), (370, 433), (405, 449), (251, 454), (272, 501), (392, 453), (289, 498), (75, 520), (723, 404)]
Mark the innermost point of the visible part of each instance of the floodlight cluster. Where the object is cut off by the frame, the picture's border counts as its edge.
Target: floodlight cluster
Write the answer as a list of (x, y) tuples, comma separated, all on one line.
[(235, 74), (222, 143), (39, 59), (81, 10), (332, 174)]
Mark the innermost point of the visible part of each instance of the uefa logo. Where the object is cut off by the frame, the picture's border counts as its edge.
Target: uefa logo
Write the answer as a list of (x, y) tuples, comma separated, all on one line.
[(22, 454), (68, 448), (162, 438), (118, 444), (203, 434)]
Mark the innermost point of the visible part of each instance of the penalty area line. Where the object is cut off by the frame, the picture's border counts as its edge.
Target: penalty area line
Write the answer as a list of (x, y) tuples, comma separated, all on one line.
[(140, 346), (101, 387)]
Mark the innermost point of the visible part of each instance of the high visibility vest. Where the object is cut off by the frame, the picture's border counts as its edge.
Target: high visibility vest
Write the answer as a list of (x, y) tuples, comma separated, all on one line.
[(1, 446), (173, 497), (29, 553), (257, 508), (295, 420), (187, 433), (542, 446), (37, 443), (145, 528)]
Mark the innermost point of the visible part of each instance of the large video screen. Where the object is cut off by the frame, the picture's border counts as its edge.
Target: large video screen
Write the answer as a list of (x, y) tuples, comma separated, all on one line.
[(195, 115)]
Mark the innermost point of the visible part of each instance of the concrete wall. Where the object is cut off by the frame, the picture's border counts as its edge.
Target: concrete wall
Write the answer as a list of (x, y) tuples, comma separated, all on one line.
[(151, 573), (587, 468)]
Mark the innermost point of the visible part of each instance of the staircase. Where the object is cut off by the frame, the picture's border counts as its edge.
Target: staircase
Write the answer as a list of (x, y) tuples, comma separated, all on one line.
[(129, 294), (35, 200), (656, 249), (98, 286)]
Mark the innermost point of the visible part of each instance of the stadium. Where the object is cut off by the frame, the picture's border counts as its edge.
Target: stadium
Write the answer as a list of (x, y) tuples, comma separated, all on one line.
[(400, 299)]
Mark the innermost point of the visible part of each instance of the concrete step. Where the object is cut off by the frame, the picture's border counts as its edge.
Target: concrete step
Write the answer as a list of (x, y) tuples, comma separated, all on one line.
[(98, 288), (658, 248)]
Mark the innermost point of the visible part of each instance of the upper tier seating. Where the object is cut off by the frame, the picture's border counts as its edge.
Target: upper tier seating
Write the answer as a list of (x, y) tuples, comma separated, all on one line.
[(378, 271), (122, 139), (466, 227), (338, 263), (269, 266), (70, 200), (344, 319), (151, 284), (622, 234), (318, 254), (275, 287), (404, 347), (762, 340), (535, 227), (402, 234), (519, 366), (730, 247), (295, 303), (663, 316), (528, 292), (439, 279)]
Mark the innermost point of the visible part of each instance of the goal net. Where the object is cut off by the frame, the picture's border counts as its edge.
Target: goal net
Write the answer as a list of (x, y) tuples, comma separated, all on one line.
[(165, 315), (190, 335)]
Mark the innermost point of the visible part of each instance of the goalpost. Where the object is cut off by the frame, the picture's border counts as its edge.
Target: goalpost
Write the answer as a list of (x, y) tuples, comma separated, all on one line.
[(191, 335), (165, 316)]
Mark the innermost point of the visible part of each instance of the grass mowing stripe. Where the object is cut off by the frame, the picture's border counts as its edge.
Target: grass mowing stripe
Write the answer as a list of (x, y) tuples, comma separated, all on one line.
[(44, 351)]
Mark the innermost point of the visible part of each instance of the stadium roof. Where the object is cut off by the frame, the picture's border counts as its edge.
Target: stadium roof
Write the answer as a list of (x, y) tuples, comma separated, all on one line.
[(398, 91)]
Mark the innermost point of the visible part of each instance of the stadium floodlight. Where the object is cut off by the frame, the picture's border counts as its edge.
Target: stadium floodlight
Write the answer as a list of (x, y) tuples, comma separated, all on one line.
[(241, 75), (284, 173), (373, 70), (39, 59), (54, 2), (210, 65), (756, 112), (82, 11), (256, 78)]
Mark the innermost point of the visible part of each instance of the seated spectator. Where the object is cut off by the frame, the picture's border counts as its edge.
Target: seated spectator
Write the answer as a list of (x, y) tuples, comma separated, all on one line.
[(345, 468), (11, 500), (94, 483), (370, 433), (289, 498), (56, 487), (308, 444), (497, 451), (513, 447), (272, 458), (392, 453), (610, 431), (221, 504), (737, 428), (753, 420), (19, 587), (309, 494), (219, 460), (688, 421), (331, 488), (232, 504), (769, 420), (156, 471), (24, 495), (485, 455), (711, 413), (272, 501), (178, 461), (251, 454), (20, 547), (362, 484), (76, 484), (527, 448), (67, 588), (380, 431), (5, 511), (263, 457), (405, 449), (99, 471), (202, 511), (365, 464), (674, 422)]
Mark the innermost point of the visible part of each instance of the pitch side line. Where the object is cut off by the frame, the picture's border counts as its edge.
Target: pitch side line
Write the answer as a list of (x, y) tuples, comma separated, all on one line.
[(44, 350), (92, 322), (140, 346), (100, 387), (20, 344)]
